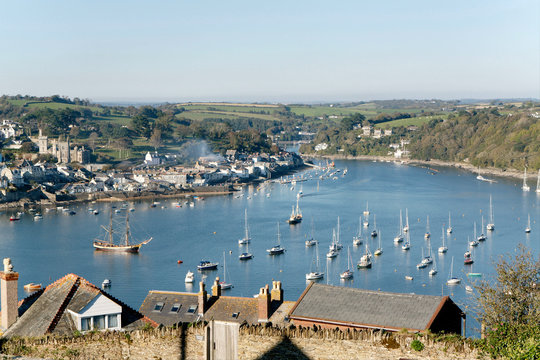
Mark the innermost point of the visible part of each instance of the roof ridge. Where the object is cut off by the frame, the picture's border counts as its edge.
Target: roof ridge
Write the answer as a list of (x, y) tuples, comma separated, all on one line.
[(63, 306), (379, 292)]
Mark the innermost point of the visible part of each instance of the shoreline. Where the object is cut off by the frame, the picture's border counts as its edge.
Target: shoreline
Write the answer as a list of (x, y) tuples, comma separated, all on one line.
[(491, 171)]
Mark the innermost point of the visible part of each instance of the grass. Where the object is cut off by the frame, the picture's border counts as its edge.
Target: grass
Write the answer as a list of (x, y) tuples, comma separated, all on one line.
[(230, 108), (114, 119), (417, 121)]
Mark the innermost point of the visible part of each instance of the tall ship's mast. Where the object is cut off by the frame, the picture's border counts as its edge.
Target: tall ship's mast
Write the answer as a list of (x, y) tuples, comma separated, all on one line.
[(109, 245)]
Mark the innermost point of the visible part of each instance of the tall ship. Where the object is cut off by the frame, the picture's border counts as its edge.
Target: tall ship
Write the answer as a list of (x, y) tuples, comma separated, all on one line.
[(296, 215), (108, 244)]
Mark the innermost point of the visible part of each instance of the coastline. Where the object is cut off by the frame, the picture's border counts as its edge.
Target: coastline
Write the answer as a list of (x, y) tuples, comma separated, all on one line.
[(490, 171)]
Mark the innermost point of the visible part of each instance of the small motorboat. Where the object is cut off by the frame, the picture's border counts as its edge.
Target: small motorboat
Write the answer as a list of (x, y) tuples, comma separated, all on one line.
[(14, 218), (96, 212), (408, 277), (207, 265), (38, 216), (32, 287), (179, 262), (190, 276), (106, 283)]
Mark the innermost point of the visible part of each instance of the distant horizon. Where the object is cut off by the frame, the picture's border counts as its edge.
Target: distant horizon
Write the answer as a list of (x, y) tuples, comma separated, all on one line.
[(281, 51)]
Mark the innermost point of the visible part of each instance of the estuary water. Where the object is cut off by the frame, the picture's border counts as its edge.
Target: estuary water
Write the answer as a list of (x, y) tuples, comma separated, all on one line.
[(47, 249)]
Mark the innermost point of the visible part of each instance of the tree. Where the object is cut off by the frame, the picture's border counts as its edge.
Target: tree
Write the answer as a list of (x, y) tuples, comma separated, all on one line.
[(155, 139), (27, 147), (142, 125), (509, 307), (92, 140)]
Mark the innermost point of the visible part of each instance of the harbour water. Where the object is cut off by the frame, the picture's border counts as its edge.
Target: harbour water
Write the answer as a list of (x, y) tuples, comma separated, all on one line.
[(47, 249)]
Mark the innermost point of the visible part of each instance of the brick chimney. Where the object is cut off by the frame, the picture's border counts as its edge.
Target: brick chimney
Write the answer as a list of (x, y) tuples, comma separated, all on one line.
[(216, 289), (263, 304), (9, 280), (202, 295), (277, 292)]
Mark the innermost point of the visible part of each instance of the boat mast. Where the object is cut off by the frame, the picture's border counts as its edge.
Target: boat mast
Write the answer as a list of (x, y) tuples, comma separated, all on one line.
[(246, 225), (110, 230), (127, 228)]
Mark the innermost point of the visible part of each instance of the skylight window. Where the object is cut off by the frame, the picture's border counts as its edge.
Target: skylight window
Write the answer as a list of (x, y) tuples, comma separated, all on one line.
[(192, 309), (235, 315), (175, 308), (159, 306)]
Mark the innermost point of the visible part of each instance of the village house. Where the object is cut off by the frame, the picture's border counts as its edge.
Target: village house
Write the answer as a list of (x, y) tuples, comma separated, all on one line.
[(350, 308), (152, 159), (67, 305), (171, 308), (10, 129)]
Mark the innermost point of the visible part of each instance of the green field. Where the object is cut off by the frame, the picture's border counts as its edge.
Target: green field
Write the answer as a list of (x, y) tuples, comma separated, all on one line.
[(417, 121)]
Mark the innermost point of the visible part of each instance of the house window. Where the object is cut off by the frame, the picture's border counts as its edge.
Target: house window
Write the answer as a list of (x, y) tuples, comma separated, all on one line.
[(113, 321), (159, 306), (235, 315), (99, 322), (175, 308), (85, 324), (192, 309)]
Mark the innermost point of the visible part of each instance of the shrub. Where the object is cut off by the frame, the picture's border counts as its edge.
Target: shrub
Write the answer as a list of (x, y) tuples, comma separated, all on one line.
[(417, 345)]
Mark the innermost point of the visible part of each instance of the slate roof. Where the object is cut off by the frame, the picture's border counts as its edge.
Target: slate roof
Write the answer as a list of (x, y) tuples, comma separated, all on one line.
[(45, 311), (357, 307), (221, 308)]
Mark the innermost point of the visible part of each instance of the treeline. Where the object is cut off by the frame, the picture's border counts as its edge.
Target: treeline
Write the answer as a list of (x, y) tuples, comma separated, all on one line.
[(483, 138)]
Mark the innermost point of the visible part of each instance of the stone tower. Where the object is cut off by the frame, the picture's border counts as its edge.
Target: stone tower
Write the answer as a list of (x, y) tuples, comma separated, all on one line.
[(43, 143)]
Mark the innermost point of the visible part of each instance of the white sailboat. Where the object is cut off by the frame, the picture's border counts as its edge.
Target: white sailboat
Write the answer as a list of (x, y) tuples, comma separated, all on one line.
[(525, 187), (482, 237), (528, 228), (451, 279), (312, 241), (427, 235), (277, 249), (333, 251), (422, 264), (315, 275), (365, 260), (449, 229), (407, 244), (491, 225), (190, 276), (224, 284), (246, 255), (366, 212), (406, 228), (246, 239), (538, 182), (347, 274), (399, 236), (357, 239), (443, 248), (366, 221), (379, 250)]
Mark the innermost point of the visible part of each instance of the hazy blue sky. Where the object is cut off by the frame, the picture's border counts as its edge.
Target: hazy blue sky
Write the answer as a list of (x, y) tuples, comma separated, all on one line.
[(296, 50)]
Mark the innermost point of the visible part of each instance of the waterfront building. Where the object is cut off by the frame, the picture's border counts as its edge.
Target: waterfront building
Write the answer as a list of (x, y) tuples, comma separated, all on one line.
[(349, 308), (67, 305)]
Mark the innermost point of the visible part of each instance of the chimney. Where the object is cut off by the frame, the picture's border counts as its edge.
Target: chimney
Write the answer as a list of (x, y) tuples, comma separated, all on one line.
[(216, 289), (263, 304), (9, 280), (202, 299), (277, 291)]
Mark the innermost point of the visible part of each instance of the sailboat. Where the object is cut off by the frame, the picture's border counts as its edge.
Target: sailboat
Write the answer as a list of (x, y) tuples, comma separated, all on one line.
[(467, 258), (407, 244), (246, 239), (311, 241), (365, 260), (314, 275), (451, 279), (528, 228), (427, 235), (399, 236), (433, 270), (491, 225), (277, 249), (482, 237), (525, 187), (224, 284), (538, 182), (127, 246), (406, 228), (379, 250), (366, 221), (449, 229), (422, 264), (474, 241), (333, 251), (366, 212), (357, 239), (443, 248), (296, 215), (374, 232), (347, 274), (246, 255)]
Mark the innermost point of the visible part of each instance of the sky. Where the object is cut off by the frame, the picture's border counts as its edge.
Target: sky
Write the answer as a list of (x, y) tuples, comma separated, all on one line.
[(271, 51)]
